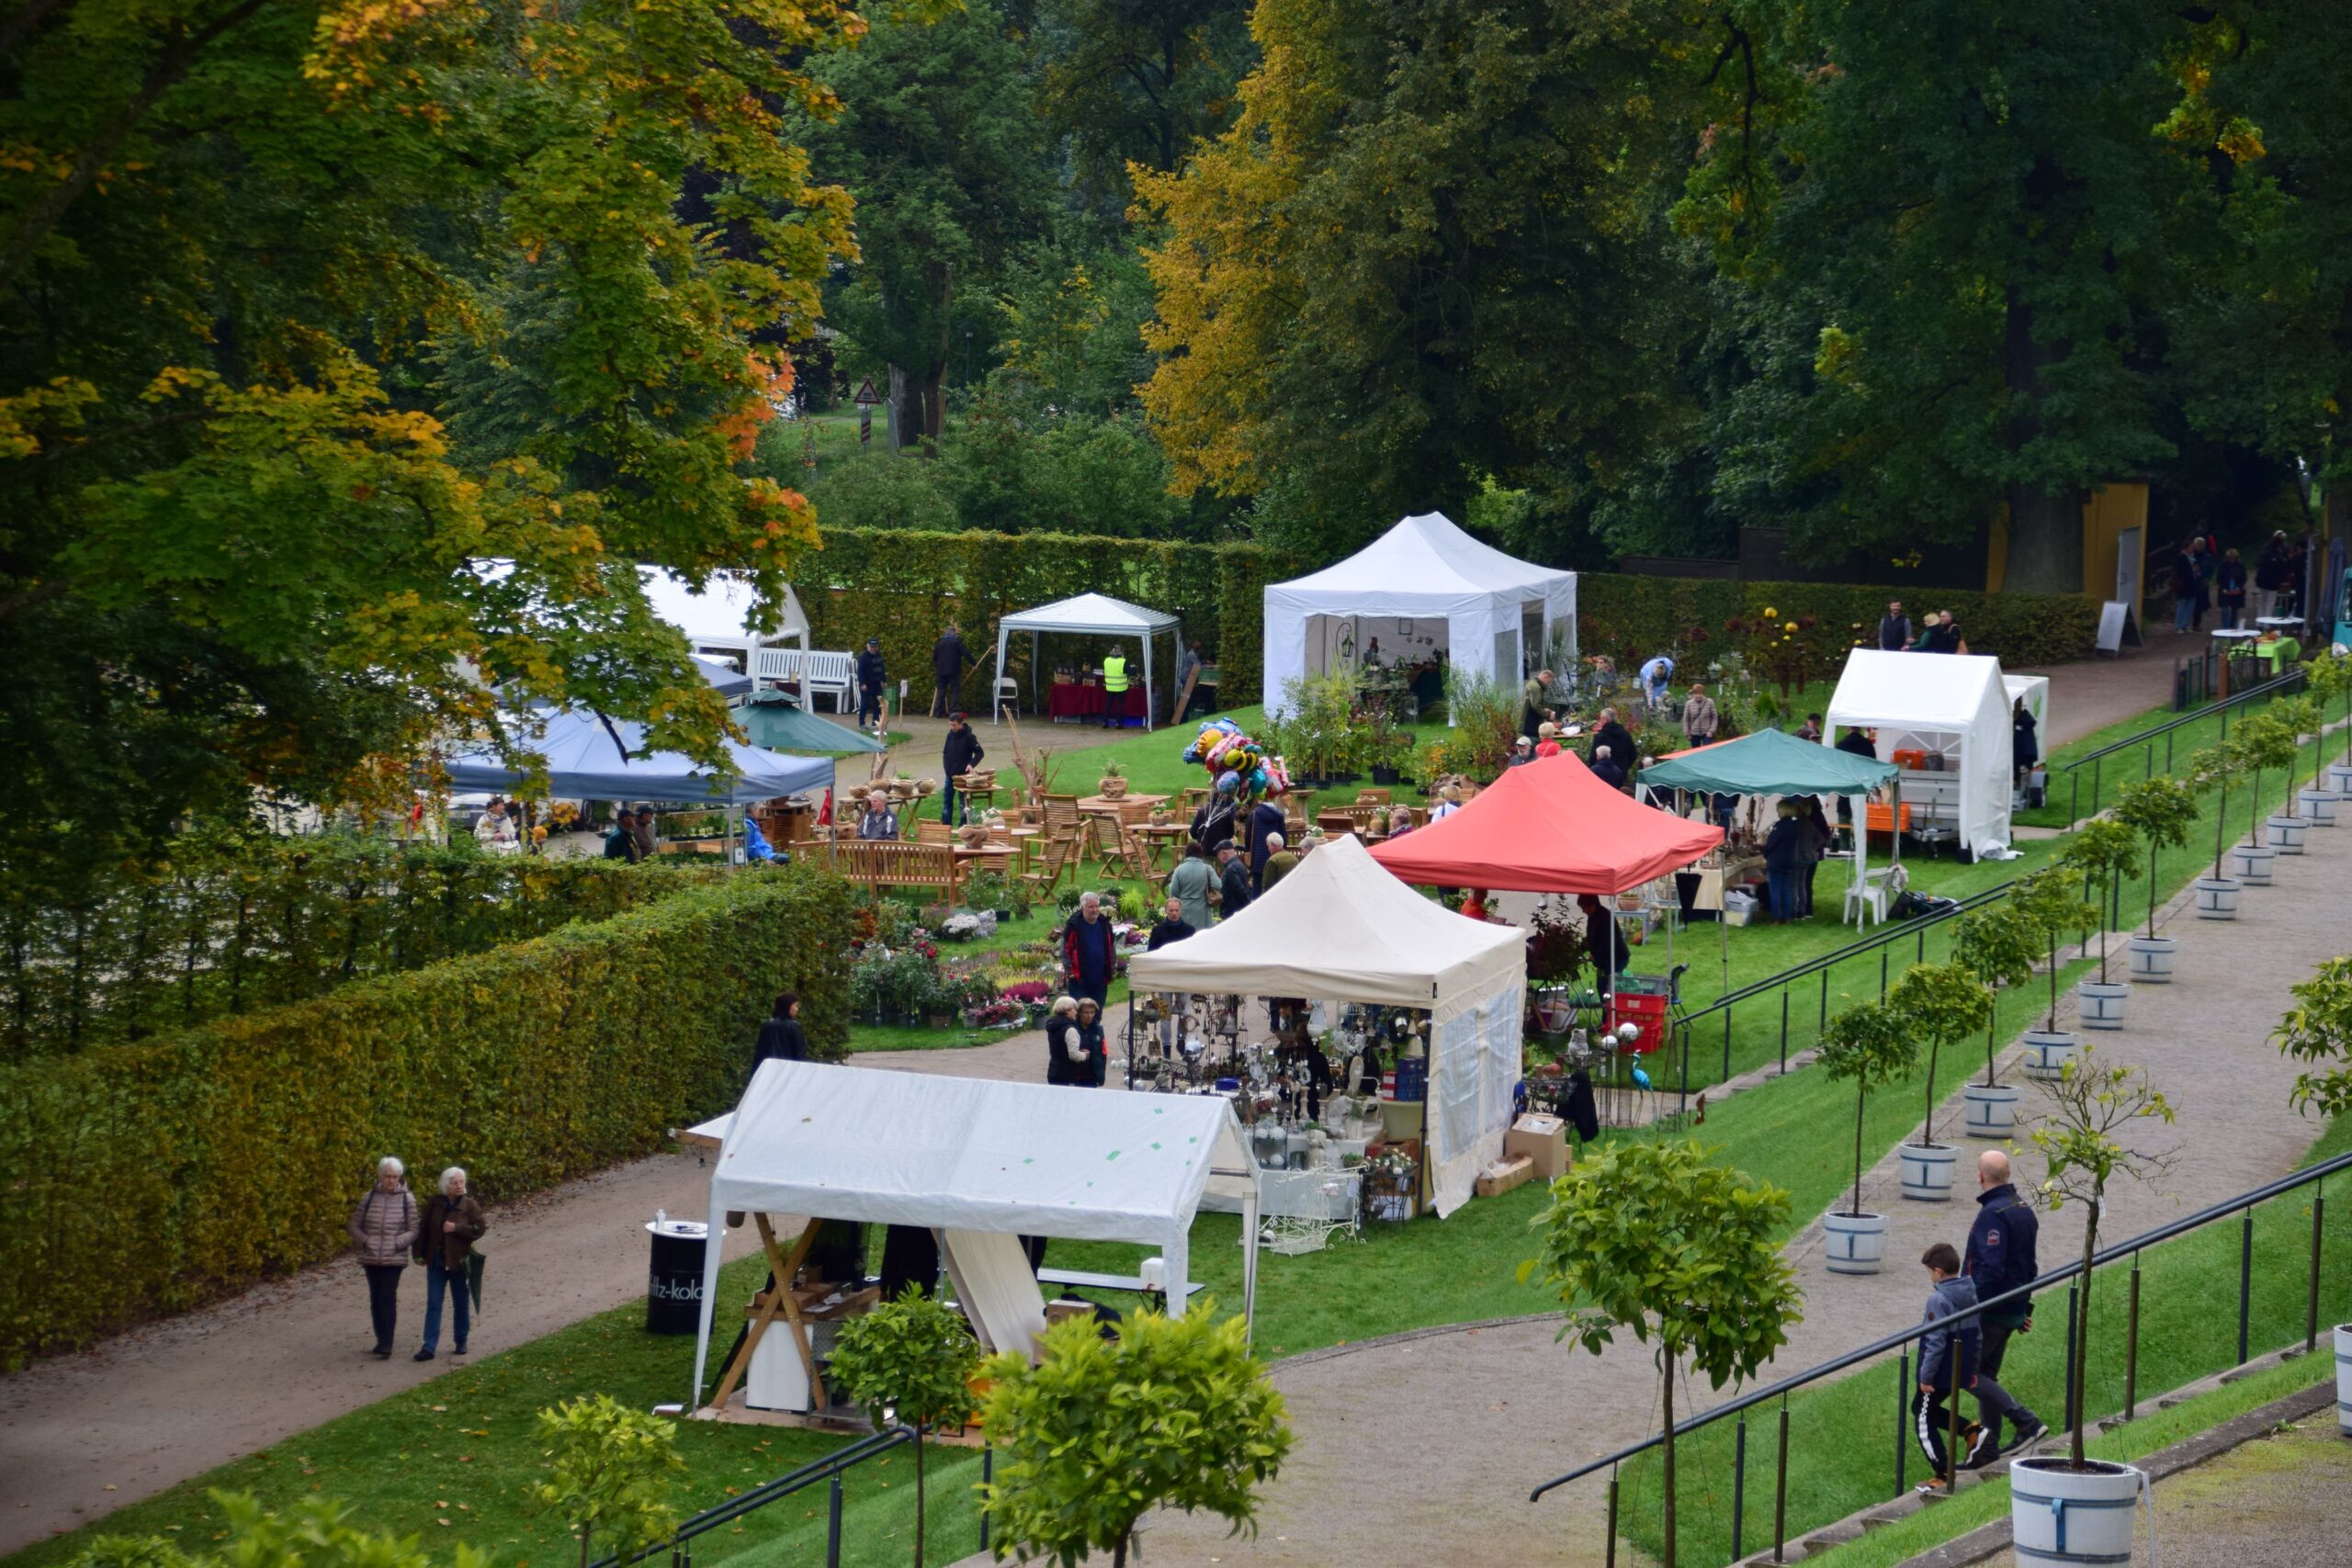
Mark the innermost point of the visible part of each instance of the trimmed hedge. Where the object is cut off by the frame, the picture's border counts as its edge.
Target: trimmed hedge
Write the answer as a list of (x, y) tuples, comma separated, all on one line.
[(904, 586), (153, 1177), (233, 925), (1631, 619)]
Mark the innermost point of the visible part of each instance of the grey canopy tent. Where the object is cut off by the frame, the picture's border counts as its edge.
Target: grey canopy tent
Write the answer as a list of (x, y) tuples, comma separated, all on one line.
[(1089, 614), (589, 758)]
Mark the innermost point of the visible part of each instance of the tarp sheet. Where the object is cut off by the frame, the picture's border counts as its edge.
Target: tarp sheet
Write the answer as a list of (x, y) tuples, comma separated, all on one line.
[(1550, 826), (1769, 761)]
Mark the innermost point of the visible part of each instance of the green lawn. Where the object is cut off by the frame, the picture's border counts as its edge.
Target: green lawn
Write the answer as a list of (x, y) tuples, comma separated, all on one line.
[(2094, 788)]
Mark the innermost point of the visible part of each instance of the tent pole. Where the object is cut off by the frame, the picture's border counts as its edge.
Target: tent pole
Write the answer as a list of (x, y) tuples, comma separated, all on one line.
[(1035, 652), (1146, 682), (995, 691)]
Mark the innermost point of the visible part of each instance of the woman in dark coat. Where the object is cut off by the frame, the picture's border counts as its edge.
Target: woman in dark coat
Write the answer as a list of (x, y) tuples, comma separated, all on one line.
[(781, 1037), (1096, 1069), (1783, 863), (2025, 744), (1065, 1063)]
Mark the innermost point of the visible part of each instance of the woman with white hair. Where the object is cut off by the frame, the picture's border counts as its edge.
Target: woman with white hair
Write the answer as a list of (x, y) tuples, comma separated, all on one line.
[(453, 1223), (383, 1227), (1065, 1057)]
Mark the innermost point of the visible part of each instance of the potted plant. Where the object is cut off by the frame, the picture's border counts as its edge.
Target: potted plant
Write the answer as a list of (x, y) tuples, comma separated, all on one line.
[(2100, 853), (2265, 742), (2074, 1508), (2247, 864), (2318, 1029), (1867, 1045), (2326, 678), (1942, 1004), (2159, 811), (1084, 1451), (1996, 946), (911, 1360), (2049, 904), (1114, 782), (2331, 675), (2217, 892), (608, 1468), (1652, 1238)]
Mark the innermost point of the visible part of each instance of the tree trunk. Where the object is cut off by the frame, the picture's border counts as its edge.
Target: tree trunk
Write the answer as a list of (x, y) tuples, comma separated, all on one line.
[(1992, 1025), (2080, 1349), (905, 406), (2045, 547), (1668, 1556), (2221, 814), (2152, 892), (1859, 1095), (1927, 1124)]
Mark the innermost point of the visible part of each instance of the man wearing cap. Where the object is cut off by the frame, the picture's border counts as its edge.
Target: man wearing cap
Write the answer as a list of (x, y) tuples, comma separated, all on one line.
[(869, 682), (1523, 751), (960, 756), (1233, 890), (648, 843)]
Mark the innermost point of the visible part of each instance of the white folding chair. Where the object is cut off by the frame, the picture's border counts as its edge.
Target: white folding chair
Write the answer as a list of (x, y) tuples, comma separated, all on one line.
[(1874, 892)]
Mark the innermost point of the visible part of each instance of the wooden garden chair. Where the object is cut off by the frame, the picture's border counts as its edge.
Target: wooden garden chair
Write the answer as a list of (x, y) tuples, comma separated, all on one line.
[(1058, 855)]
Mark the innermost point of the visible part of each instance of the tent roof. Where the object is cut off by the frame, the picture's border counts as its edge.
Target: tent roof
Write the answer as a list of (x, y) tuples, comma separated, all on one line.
[(1550, 826), (784, 725), (1769, 761), (1337, 927), (1096, 613), (921, 1149), (585, 763), (1426, 557), (725, 679), (720, 611), (1918, 691)]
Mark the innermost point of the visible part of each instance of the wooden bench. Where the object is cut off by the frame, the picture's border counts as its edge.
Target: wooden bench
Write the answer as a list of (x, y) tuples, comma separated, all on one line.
[(894, 863), (814, 672)]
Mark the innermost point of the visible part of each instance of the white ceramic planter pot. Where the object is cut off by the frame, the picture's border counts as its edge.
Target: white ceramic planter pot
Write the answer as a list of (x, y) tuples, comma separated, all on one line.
[(2098, 1006), (2286, 834), (2217, 898), (2319, 805), (2252, 863), (2060, 1514), (1856, 1243), (1992, 1113), (2339, 777), (2344, 1377), (2152, 959), (1926, 1171), (2047, 1052)]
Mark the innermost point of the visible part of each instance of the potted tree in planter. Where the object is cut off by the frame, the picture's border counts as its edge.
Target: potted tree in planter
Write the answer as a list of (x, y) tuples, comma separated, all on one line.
[(2049, 905), (1868, 1046), (1996, 946), (2295, 715), (1651, 1237), (2159, 811), (2263, 742), (2072, 1508), (911, 1360), (2318, 1029), (2101, 851), (2326, 678), (2217, 893), (1942, 1004), (2331, 675)]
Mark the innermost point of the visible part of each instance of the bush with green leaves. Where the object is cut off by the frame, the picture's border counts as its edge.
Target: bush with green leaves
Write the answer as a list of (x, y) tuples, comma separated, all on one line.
[(316, 1532), (1944, 1005), (1868, 1046), (1997, 946), (241, 1145), (2262, 744), (1655, 1238), (2101, 851), (1175, 1413), (2318, 1029), (911, 1360), (2160, 811), (608, 1475), (2047, 904)]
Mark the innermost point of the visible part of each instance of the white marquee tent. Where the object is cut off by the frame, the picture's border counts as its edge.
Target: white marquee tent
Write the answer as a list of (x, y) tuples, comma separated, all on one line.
[(1089, 614), (971, 1159), (2035, 692), (1422, 576), (1341, 929), (715, 619), (1954, 706)]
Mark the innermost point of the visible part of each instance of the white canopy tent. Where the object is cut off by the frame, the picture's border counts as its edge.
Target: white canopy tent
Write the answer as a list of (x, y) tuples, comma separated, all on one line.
[(963, 1156), (2035, 692), (1089, 614), (715, 618), (1497, 612), (1953, 707), (1339, 927)]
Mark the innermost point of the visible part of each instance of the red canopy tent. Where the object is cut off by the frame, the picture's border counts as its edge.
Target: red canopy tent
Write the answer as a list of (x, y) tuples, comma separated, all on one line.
[(1550, 826)]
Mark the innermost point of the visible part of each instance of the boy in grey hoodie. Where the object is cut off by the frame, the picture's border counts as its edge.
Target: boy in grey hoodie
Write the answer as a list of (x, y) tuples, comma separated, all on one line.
[(1948, 1355)]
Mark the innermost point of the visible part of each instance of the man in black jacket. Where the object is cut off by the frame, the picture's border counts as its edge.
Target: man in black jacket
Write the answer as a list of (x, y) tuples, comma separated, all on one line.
[(1999, 1259), (1233, 888), (947, 661), (1617, 739), (870, 676), (1894, 628), (960, 756)]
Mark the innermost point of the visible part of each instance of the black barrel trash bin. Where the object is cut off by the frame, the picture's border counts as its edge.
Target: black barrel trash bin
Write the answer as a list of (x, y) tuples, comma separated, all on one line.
[(673, 1289)]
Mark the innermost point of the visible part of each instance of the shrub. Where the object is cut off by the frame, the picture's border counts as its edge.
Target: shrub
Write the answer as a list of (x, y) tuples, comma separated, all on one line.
[(150, 1176), (916, 1358)]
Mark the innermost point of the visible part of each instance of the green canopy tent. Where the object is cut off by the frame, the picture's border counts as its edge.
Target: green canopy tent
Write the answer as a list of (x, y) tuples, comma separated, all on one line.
[(775, 720), (1773, 763)]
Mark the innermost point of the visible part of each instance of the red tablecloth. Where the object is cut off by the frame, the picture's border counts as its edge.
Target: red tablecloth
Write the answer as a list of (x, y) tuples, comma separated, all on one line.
[(1071, 700)]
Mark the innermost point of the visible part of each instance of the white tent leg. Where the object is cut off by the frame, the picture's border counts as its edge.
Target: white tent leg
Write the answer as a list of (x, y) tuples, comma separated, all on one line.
[(1146, 682), (1250, 1222), (1037, 653), (1177, 1255), (713, 1245), (996, 692)]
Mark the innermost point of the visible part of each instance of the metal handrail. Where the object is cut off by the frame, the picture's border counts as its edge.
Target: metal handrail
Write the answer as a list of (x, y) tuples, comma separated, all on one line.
[(2243, 1202), (830, 1468)]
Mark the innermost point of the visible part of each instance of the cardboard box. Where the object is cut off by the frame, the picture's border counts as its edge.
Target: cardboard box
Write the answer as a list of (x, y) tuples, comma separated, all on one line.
[(1543, 1139), (1504, 1175)]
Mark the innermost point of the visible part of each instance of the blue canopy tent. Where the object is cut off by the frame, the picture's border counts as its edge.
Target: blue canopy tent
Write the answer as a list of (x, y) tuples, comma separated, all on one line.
[(588, 760)]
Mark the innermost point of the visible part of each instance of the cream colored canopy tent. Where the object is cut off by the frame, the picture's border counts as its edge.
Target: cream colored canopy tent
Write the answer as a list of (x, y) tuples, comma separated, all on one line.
[(1341, 929), (967, 1157)]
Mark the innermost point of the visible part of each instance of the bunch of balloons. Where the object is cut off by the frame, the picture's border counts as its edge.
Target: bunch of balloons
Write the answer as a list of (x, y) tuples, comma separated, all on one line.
[(1235, 761)]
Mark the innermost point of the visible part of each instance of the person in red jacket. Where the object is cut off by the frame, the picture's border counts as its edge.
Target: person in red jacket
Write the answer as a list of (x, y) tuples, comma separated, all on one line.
[(1087, 950)]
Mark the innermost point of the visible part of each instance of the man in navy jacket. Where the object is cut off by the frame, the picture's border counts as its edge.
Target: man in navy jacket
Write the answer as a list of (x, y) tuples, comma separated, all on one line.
[(2000, 1258)]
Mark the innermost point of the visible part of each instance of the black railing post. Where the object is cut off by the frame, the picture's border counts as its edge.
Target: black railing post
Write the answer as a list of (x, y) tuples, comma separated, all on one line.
[(987, 1477), (1784, 1029), (1902, 1413), (1780, 1488), (2070, 1293), (2074, 798), (1726, 1078), (1612, 1518), (1882, 974), (2131, 1346), (2311, 1303), (2096, 767), (2246, 1279), (834, 1523), (1739, 1486)]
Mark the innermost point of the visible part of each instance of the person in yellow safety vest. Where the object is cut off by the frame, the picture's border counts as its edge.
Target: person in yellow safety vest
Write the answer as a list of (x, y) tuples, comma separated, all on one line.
[(1114, 685)]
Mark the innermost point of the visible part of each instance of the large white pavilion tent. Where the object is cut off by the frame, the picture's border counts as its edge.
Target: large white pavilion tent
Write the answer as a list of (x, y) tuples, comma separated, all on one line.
[(1425, 584), (1341, 929)]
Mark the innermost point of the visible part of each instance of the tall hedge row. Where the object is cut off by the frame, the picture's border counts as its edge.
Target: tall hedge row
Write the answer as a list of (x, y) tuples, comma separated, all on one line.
[(231, 925), (150, 1176), (903, 587), (1630, 618)]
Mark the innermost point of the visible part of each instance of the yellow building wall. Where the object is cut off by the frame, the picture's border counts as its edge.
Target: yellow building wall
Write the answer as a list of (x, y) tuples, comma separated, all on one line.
[(2109, 510)]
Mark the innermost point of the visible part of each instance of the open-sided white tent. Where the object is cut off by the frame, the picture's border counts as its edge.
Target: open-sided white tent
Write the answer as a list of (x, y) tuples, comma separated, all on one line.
[(1954, 706), (961, 1155), (1497, 611), (716, 619), (1089, 614), (2034, 691), (1339, 927)]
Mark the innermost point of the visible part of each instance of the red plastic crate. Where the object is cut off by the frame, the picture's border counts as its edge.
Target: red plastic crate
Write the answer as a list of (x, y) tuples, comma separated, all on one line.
[(1645, 1013)]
